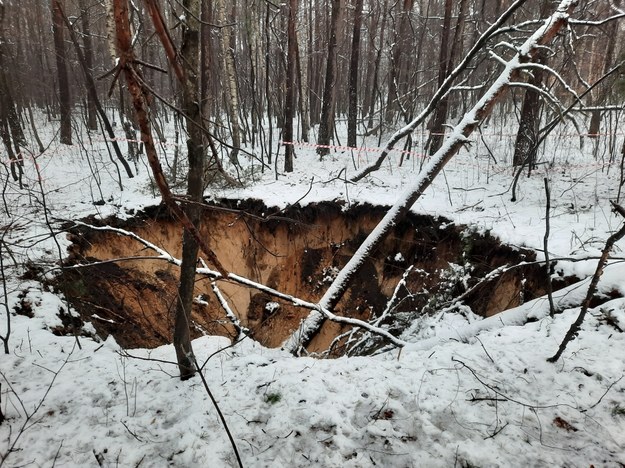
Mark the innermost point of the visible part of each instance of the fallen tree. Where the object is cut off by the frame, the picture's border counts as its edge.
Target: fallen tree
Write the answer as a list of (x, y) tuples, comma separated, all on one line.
[(456, 140)]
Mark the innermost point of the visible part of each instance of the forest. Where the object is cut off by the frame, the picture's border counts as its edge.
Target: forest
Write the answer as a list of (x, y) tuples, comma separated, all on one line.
[(312, 233)]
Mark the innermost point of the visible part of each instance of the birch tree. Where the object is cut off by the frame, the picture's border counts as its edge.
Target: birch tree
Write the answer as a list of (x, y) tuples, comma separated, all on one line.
[(230, 78), (456, 140)]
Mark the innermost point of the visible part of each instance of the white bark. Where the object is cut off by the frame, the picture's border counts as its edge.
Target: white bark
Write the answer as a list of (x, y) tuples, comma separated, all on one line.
[(457, 138)]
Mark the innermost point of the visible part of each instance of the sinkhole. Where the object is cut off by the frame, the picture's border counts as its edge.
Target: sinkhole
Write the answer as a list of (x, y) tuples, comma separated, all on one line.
[(298, 251)]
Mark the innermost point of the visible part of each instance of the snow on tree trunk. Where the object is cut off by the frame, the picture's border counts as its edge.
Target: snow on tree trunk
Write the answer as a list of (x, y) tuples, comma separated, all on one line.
[(457, 138)]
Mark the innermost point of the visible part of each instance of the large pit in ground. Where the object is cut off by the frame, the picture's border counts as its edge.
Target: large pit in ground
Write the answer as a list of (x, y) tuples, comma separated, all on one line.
[(297, 251)]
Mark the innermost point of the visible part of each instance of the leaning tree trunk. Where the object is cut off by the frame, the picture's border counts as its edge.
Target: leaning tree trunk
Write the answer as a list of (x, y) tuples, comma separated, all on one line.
[(61, 69), (310, 326)]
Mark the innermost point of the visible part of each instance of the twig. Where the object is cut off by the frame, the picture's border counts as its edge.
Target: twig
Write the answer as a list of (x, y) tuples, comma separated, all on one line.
[(130, 432), (482, 345), (29, 416), (552, 309), (606, 392), (56, 456), (501, 394), (221, 416), (603, 260)]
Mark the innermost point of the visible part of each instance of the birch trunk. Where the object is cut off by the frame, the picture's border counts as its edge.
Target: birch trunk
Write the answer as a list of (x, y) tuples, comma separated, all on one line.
[(458, 138), (232, 93)]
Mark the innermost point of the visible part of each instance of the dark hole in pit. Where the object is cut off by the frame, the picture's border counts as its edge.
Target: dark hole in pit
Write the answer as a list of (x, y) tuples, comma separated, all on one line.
[(298, 251)]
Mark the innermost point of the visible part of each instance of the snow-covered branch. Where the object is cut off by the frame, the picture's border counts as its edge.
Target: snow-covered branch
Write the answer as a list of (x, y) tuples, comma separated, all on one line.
[(440, 93), (457, 139), (215, 275), (556, 75)]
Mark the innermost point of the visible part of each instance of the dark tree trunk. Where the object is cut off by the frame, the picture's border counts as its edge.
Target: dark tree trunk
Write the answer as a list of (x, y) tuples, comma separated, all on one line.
[(447, 60), (195, 189), (10, 129), (329, 88), (354, 62), (92, 119), (91, 90), (376, 69), (61, 69), (525, 146), (595, 118), (289, 105), (396, 61)]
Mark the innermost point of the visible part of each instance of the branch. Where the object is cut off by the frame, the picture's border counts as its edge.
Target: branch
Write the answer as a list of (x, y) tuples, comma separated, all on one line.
[(457, 139), (218, 276), (440, 93), (592, 288)]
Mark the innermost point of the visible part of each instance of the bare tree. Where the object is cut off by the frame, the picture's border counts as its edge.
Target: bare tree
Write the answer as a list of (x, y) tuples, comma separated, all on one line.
[(230, 77), (10, 128), (190, 58), (91, 89), (525, 146), (92, 119)]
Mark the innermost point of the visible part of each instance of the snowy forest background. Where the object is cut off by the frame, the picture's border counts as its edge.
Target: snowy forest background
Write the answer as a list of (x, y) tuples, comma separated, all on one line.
[(312, 233)]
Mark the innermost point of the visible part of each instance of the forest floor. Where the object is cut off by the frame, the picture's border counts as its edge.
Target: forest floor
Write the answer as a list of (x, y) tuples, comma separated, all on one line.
[(467, 391)]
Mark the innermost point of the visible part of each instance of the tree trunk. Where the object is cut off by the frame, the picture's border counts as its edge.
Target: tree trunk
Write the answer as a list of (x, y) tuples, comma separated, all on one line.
[(594, 129), (190, 58), (329, 88), (302, 82), (376, 69), (61, 69), (289, 105), (396, 61), (354, 62), (525, 146), (232, 93), (91, 90), (310, 326), (447, 60), (10, 129), (92, 120)]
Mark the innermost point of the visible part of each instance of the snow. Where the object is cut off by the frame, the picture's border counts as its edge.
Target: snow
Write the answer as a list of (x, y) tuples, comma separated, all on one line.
[(463, 391)]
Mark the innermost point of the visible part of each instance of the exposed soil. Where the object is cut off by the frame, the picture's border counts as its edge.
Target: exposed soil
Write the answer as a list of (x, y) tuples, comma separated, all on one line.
[(297, 251)]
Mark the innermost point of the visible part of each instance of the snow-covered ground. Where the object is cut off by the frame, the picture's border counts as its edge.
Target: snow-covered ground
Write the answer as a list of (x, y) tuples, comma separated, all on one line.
[(467, 392)]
